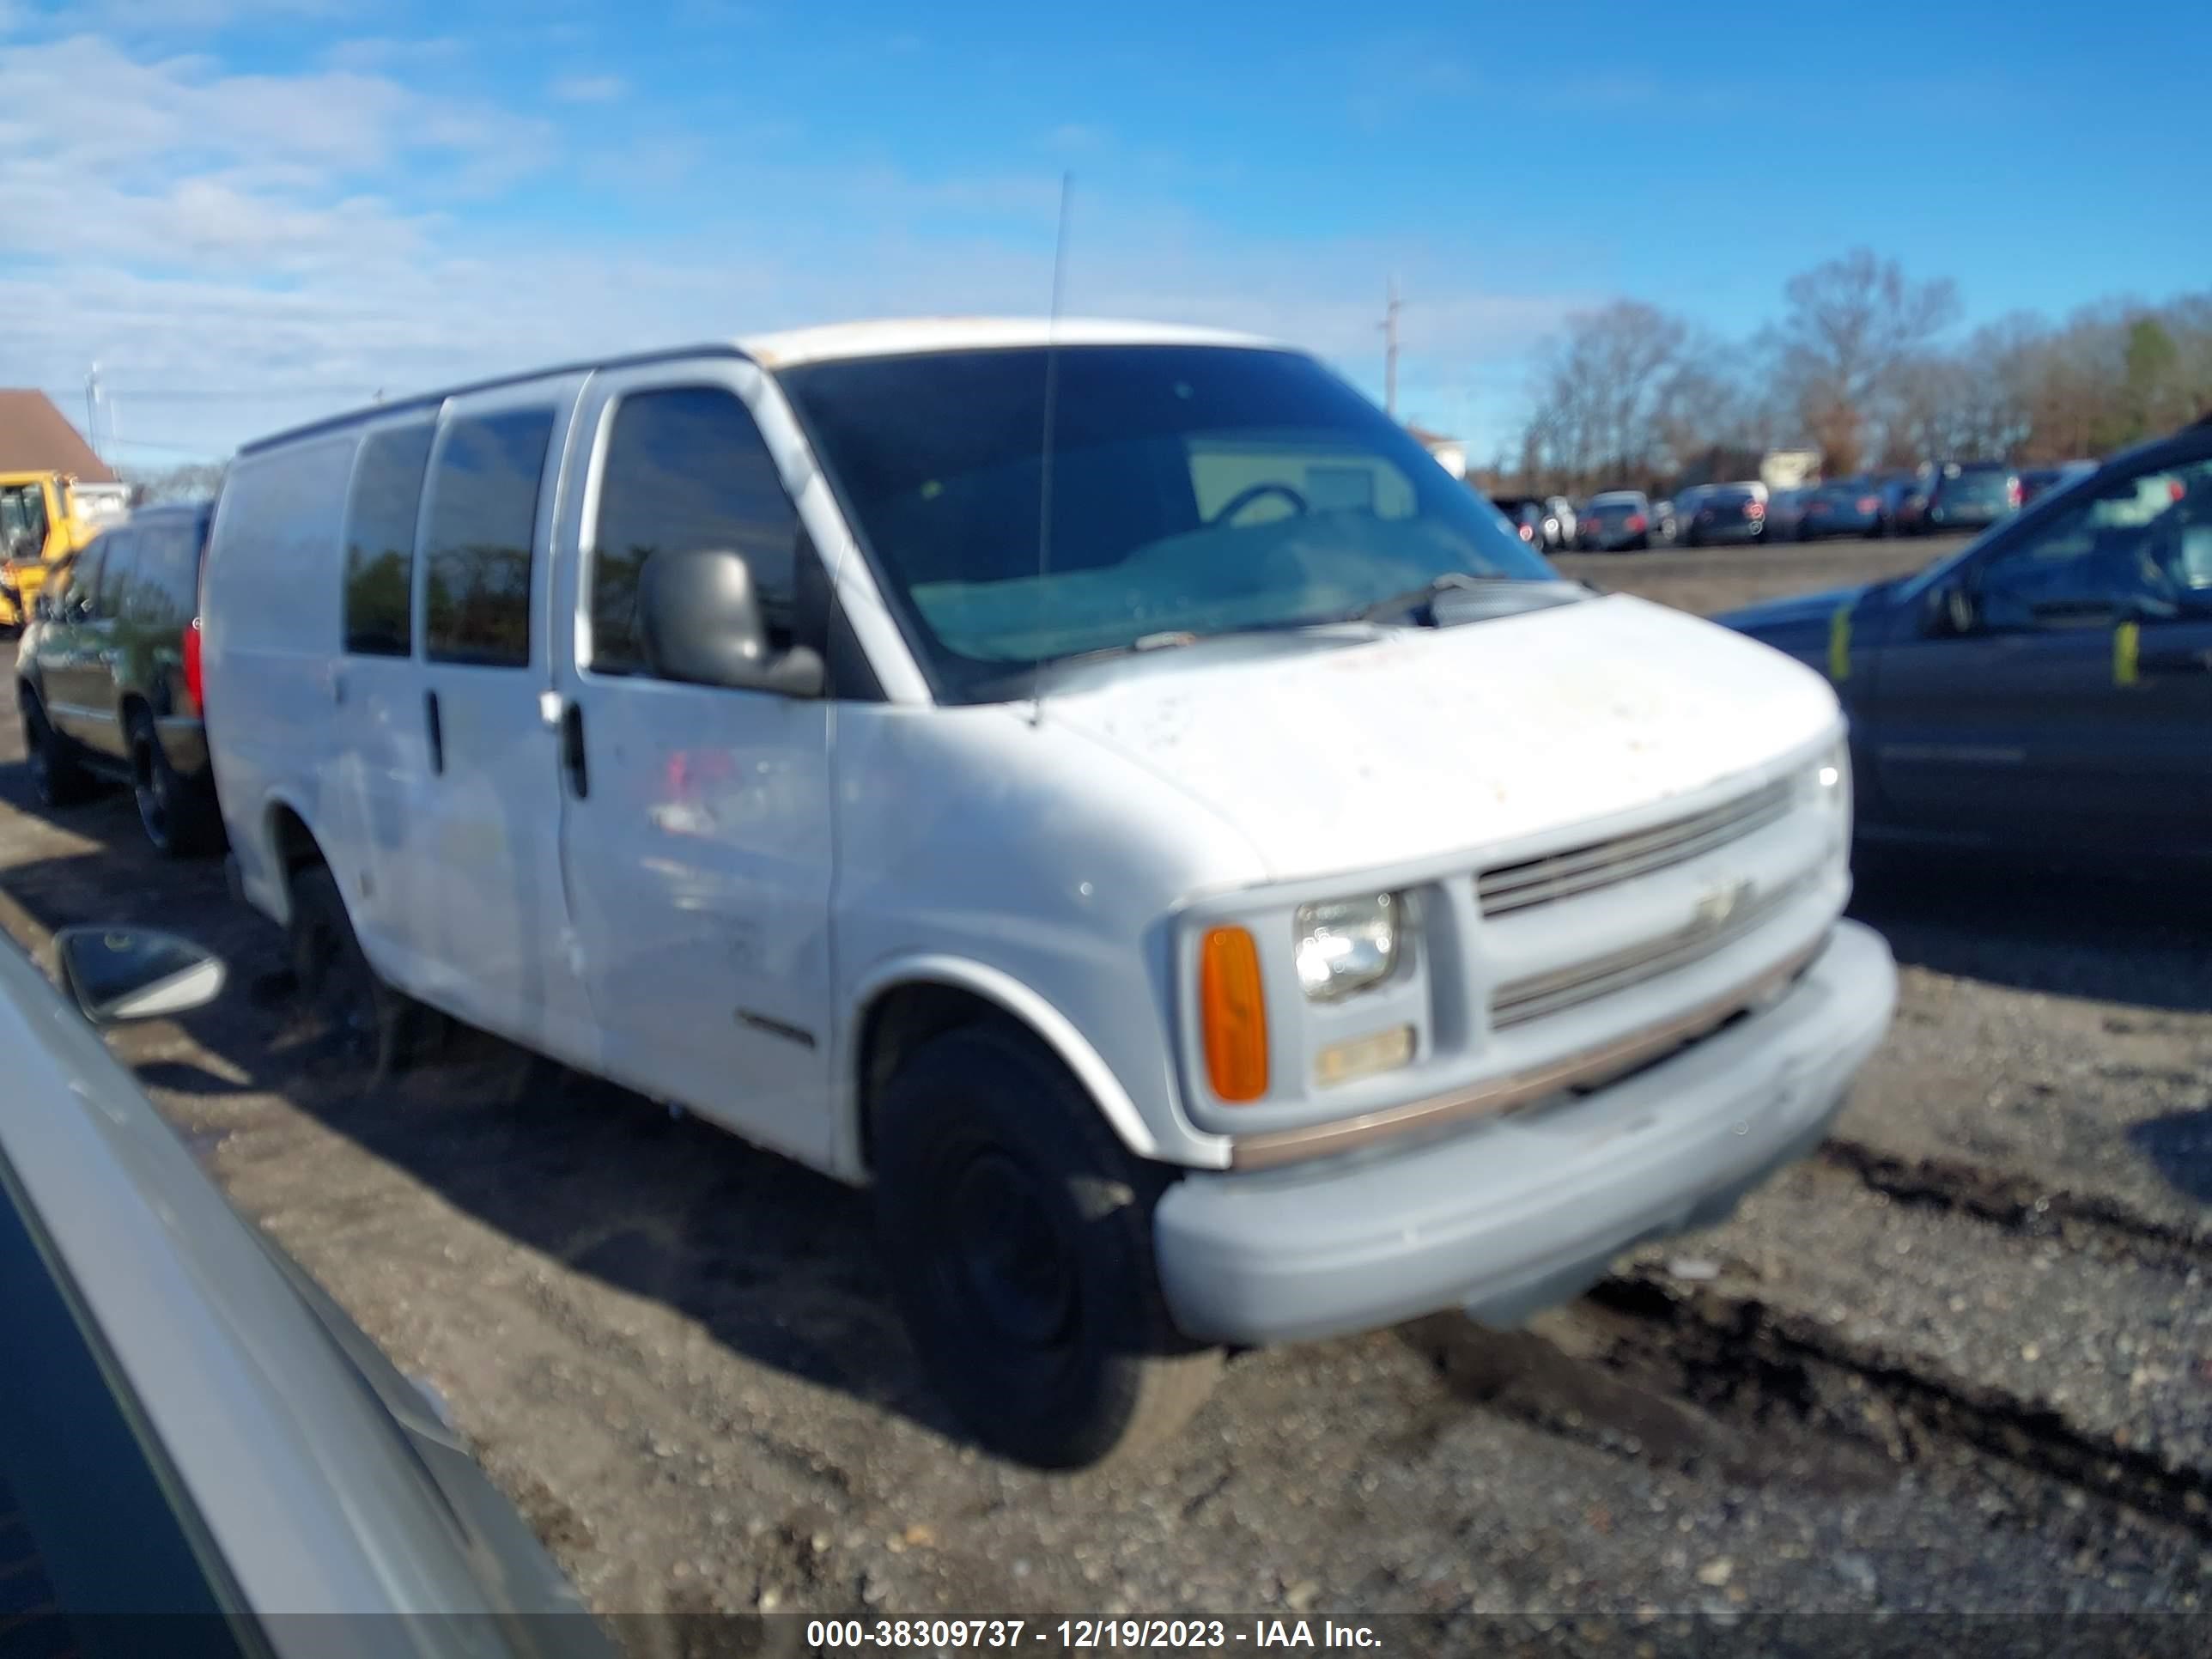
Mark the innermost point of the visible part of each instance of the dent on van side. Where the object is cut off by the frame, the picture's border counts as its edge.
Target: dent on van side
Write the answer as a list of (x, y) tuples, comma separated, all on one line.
[(1190, 858)]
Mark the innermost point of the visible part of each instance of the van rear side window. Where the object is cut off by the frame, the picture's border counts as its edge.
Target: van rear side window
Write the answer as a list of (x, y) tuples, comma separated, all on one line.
[(483, 518), (379, 540)]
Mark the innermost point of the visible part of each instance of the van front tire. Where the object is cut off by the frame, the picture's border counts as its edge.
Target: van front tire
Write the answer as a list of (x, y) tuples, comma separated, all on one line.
[(1017, 1233)]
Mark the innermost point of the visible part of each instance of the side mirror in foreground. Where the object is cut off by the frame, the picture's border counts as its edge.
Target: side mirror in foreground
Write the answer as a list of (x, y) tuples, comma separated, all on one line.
[(118, 973)]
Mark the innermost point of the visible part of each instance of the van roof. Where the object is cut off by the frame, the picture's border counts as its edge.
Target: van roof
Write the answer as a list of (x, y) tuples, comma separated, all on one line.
[(895, 336), (790, 348)]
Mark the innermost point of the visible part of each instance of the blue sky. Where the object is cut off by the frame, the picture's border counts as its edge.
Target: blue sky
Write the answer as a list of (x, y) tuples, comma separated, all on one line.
[(252, 211)]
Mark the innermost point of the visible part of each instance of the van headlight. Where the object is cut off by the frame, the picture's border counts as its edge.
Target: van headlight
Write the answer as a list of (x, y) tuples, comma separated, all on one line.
[(1832, 780), (1347, 944)]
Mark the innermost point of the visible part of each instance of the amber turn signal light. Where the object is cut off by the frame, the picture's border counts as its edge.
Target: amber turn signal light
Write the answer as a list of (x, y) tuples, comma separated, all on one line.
[(1232, 1014)]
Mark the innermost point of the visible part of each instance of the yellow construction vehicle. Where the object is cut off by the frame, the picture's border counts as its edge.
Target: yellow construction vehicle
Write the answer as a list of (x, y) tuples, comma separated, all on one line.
[(42, 521)]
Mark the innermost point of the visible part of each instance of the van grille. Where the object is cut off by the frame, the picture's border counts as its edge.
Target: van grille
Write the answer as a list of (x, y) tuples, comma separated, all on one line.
[(1584, 869), (1519, 1000)]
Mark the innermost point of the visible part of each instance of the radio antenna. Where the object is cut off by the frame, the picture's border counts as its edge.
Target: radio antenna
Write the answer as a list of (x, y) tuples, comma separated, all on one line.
[(1051, 407)]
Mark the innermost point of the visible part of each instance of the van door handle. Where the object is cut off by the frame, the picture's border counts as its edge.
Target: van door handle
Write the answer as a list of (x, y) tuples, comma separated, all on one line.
[(572, 751), (437, 732)]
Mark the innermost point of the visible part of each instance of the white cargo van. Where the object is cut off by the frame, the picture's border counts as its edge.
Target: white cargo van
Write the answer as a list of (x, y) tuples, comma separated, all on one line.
[(1105, 785)]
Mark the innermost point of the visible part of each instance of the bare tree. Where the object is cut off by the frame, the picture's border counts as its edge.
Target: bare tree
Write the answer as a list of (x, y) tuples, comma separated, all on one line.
[(1852, 327), (1600, 394), (191, 482), (1628, 396)]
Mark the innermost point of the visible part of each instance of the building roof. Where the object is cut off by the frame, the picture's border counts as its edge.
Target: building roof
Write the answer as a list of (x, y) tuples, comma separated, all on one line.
[(898, 335), (36, 437)]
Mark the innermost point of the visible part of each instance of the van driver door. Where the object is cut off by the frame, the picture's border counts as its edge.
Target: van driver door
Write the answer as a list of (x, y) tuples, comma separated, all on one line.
[(695, 820)]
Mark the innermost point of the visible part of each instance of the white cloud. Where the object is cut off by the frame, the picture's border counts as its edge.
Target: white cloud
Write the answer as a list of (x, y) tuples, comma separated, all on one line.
[(215, 230), (183, 17), (374, 53), (589, 89)]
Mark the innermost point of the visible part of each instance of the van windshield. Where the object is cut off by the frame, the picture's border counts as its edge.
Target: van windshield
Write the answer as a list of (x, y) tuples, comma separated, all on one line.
[(1194, 490)]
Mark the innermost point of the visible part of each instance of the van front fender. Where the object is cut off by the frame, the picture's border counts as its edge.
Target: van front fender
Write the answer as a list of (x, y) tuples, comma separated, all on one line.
[(1031, 1010)]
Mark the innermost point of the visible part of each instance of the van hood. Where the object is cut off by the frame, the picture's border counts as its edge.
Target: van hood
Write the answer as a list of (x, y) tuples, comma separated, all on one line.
[(1430, 741)]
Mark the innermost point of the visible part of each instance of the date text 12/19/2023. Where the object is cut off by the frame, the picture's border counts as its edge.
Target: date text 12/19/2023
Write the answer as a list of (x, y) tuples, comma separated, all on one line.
[(941, 1635)]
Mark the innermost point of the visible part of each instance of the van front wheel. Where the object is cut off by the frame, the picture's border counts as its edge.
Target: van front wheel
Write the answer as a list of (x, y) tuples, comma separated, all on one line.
[(1018, 1232)]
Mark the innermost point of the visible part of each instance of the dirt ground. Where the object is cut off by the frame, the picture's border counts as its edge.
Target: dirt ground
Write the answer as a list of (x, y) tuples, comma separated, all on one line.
[(1961, 1361)]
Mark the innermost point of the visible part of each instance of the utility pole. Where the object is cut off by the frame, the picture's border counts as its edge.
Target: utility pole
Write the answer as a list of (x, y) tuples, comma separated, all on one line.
[(92, 411), (1390, 352)]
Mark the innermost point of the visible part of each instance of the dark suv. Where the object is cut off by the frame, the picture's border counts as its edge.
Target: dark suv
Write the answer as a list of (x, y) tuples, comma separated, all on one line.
[(108, 676), (1968, 495)]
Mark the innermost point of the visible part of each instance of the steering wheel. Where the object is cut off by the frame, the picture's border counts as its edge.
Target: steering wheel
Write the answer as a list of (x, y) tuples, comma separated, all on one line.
[(1244, 498)]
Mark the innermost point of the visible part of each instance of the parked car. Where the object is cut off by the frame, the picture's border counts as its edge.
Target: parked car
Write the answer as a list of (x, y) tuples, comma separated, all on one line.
[(1912, 504), (107, 678), (2036, 480), (1849, 507), (1680, 510), (1897, 491), (1563, 515), (1785, 511), (1531, 518), (1029, 889), (2045, 689), (1726, 512), (1620, 520), (1968, 495), (199, 1452)]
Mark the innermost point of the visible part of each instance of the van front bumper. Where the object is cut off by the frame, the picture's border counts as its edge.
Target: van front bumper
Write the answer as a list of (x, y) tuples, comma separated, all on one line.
[(1529, 1211)]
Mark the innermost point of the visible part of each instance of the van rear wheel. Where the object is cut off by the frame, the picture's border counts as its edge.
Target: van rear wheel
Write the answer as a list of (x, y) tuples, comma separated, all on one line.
[(1018, 1232), (365, 1025)]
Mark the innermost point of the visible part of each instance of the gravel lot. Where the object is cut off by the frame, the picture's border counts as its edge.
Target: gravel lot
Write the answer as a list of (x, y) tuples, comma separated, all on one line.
[(1961, 1361)]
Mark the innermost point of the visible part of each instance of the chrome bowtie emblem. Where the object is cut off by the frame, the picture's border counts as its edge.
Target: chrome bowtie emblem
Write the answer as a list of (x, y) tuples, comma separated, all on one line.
[(1717, 905)]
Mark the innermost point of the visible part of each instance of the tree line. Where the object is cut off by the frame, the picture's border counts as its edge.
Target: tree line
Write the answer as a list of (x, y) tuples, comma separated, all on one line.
[(1864, 365)]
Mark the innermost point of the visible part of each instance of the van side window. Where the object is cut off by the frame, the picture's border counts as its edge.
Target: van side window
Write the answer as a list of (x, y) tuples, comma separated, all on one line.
[(686, 469), (379, 540), (483, 518)]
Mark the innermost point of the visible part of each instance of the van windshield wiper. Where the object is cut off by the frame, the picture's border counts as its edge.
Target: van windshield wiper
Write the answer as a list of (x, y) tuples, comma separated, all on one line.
[(1414, 599)]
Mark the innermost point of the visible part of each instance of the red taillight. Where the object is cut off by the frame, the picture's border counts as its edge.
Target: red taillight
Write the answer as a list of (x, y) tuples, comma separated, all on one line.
[(2012, 491), (1754, 509), (192, 655), (1527, 534), (1869, 503), (2176, 489), (1635, 522)]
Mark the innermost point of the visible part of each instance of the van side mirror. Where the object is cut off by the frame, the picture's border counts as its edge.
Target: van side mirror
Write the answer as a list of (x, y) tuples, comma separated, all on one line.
[(699, 618), (118, 973)]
